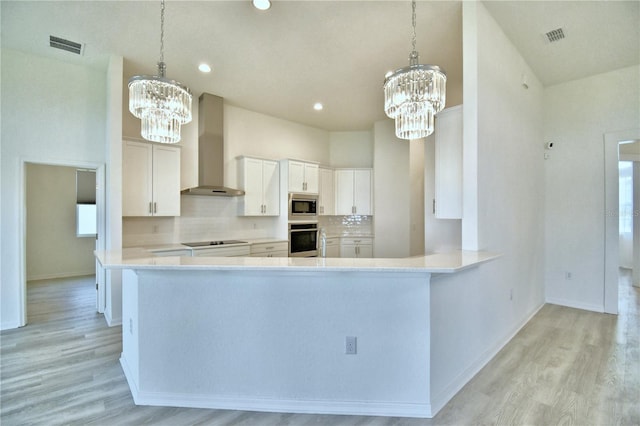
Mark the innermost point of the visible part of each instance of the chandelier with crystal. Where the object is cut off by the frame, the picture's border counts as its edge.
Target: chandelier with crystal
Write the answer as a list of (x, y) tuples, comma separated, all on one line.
[(413, 95), (162, 104)]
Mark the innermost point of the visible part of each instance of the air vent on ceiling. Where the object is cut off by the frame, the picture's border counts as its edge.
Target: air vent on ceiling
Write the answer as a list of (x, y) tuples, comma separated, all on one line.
[(555, 35), (68, 45)]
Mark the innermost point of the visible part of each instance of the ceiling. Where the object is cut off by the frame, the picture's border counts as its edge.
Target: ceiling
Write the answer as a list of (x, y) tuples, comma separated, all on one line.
[(281, 61)]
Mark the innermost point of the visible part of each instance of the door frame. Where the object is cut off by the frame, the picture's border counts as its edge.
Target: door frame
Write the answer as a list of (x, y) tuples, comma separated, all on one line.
[(100, 169), (611, 206)]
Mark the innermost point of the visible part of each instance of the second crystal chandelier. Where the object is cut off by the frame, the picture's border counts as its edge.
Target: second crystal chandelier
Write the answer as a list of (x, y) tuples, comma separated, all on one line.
[(414, 94), (162, 104)]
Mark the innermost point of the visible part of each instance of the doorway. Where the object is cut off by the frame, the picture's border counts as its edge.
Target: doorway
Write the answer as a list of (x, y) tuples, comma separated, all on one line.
[(53, 246), (612, 143)]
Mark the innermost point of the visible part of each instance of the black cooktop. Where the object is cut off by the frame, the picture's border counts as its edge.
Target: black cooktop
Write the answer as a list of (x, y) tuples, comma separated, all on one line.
[(214, 243)]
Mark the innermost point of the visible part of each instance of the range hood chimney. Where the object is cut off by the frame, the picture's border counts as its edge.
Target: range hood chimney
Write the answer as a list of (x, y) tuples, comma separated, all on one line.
[(211, 149)]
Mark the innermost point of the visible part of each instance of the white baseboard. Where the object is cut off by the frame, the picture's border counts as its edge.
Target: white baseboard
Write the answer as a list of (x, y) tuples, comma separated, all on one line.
[(60, 275), (576, 305), (112, 321), (8, 325), (274, 405), (441, 399)]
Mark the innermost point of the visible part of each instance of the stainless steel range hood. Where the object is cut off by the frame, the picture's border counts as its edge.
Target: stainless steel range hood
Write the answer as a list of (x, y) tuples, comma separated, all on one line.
[(211, 149)]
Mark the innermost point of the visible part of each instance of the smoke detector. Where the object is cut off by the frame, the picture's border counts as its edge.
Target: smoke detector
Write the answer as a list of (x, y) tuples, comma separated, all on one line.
[(68, 45)]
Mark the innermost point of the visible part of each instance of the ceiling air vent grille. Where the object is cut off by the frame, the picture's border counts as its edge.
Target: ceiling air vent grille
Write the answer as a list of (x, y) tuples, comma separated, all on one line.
[(69, 46), (555, 35)]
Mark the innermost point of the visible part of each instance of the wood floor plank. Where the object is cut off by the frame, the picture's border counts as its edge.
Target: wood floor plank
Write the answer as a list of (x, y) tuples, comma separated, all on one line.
[(565, 367)]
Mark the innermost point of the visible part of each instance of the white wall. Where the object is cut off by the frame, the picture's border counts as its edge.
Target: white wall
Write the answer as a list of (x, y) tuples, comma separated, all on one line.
[(577, 115), (351, 149), (53, 249), (417, 193), (52, 112), (391, 177), (254, 134), (493, 301)]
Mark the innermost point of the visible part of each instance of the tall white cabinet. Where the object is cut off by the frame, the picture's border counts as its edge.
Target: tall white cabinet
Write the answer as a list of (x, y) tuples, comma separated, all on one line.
[(448, 163), (354, 193), (150, 179), (260, 180), (326, 192)]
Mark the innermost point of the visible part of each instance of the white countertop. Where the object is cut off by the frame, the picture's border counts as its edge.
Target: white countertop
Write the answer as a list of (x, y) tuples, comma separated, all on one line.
[(139, 258)]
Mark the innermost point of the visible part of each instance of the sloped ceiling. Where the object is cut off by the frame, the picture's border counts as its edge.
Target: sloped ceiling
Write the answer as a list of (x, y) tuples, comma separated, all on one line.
[(281, 61)]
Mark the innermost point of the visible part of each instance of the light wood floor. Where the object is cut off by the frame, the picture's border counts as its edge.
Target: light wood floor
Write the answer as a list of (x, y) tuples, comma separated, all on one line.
[(566, 366)]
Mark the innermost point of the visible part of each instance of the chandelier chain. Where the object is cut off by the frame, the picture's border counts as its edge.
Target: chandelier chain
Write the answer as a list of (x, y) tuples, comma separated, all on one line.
[(413, 22), (161, 65)]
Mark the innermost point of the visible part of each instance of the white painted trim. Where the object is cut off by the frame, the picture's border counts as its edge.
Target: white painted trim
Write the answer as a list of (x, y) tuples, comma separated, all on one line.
[(61, 275), (355, 408), (112, 321), (442, 398), (10, 325), (572, 304), (358, 408), (611, 239), (22, 219)]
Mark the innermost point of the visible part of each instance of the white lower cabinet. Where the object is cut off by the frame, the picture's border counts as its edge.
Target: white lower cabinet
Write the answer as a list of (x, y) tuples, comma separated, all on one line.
[(270, 249), (242, 250), (172, 252), (332, 247), (356, 247)]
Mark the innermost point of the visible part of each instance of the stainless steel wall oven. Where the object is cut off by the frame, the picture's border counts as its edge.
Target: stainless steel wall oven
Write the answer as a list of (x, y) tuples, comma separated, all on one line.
[(303, 239)]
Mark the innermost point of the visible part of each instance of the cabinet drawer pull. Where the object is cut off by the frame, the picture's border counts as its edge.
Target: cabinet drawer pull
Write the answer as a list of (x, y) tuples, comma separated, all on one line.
[(269, 248)]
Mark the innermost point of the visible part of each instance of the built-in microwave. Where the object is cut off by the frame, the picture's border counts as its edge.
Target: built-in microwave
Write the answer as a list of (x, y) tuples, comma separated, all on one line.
[(303, 207), (303, 239)]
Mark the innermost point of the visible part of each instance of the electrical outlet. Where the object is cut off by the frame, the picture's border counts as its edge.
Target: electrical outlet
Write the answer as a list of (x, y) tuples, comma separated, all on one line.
[(351, 345)]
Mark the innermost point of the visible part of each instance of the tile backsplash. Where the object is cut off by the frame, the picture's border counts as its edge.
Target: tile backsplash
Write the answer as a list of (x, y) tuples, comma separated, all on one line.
[(205, 218), (346, 225)]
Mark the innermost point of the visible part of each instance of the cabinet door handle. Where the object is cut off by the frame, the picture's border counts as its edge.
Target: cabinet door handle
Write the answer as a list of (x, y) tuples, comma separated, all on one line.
[(434, 206), (150, 207), (155, 207)]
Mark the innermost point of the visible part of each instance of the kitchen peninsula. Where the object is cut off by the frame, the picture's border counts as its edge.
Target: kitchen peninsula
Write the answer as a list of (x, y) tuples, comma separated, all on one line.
[(310, 335)]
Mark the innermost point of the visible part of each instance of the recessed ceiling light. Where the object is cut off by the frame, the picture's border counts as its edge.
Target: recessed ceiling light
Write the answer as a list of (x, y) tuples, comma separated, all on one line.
[(318, 106), (204, 68), (261, 4)]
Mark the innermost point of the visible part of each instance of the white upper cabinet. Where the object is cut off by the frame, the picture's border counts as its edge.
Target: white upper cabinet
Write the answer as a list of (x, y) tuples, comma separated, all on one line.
[(326, 192), (260, 180), (448, 163), (150, 179), (354, 192), (303, 177)]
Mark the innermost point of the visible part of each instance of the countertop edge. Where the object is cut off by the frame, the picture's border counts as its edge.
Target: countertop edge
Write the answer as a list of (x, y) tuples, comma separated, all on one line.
[(440, 263)]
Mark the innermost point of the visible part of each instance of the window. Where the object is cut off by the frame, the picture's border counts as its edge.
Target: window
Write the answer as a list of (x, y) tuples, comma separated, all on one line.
[(86, 213)]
